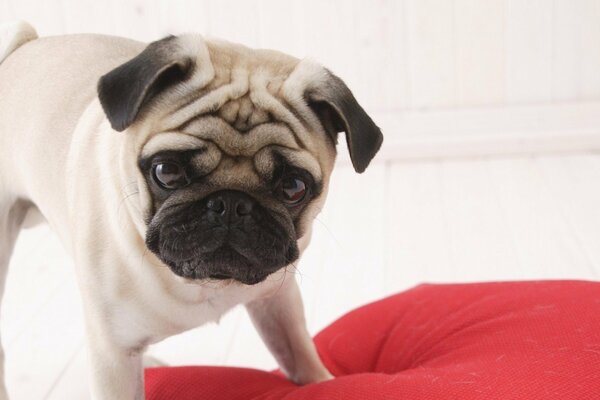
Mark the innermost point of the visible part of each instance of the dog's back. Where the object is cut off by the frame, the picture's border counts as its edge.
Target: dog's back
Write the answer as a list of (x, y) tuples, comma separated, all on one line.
[(46, 84)]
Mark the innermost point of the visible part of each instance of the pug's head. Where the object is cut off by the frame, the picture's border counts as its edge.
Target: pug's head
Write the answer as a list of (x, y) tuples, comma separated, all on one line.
[(233, 151)]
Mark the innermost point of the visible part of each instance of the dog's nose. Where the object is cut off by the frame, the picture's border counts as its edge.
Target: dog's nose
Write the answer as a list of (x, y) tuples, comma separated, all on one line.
[(230, 204)]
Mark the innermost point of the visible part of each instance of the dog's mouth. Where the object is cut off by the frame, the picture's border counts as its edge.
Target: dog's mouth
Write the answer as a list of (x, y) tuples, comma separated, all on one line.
[(228, 263), (220, 277), (201, 241)]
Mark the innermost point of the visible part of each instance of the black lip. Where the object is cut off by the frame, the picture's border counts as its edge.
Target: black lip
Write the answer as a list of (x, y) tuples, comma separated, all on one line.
[(247, 253), (220, 277)]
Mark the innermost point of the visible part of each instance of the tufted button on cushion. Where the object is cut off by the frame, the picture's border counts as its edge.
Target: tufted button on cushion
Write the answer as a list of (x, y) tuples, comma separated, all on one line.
[(517, 340)]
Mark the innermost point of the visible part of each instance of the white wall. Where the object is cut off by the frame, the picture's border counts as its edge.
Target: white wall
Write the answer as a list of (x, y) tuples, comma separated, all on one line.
[(395, 54)]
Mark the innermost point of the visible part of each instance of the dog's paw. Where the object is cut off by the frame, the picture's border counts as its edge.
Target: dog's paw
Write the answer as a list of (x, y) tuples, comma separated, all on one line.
[(321, 375)]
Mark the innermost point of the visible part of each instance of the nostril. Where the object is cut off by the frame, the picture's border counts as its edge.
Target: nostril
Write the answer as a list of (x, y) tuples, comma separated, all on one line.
[(229, 205), (243, 208), (217, 205)]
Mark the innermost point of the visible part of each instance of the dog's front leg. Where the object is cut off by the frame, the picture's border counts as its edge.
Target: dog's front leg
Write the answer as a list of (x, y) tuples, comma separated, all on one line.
[(280, 322), (11, 218), (116, 372)]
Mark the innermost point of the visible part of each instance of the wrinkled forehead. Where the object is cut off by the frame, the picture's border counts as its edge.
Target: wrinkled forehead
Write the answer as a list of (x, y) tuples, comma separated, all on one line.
[(216, 140), (246, 103)]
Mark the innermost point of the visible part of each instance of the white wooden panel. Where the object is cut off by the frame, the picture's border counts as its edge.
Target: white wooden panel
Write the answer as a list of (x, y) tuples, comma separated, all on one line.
[(6, 11), (545, 243), (496, 219), (480, 51), (529, 53), (40, 276), (452, 51), (77, 17), (36, 359), (417, 247), (182, 16), (573, 182), (590, 57), (247, 348), (136, 19), (481, 246), (380, 55), (576, 49), (394, 54), (329, 30), (432, 52), (355, 245), (568, 46), (74, 381), (234, 20), (281, 26), (481, 131), (46, 16)]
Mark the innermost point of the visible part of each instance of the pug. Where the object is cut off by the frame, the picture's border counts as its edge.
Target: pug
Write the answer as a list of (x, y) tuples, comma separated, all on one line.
[(182, 176)]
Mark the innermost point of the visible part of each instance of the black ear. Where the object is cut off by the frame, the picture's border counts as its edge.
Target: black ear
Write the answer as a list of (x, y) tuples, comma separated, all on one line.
[(339, 111), (125, 90)]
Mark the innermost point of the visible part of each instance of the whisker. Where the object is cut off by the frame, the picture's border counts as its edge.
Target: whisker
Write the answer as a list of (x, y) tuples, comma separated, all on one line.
[(335, 239), (122, 202)]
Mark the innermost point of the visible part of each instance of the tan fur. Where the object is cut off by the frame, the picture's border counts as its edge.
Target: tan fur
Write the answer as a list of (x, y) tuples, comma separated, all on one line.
[(59, 154)]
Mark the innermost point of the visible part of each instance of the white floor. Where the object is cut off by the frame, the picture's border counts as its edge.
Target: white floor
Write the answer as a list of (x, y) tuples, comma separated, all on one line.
[(399, 224)]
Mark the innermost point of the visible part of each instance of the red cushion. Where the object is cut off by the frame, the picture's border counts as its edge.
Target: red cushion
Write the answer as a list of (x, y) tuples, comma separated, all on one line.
[(520, 340)]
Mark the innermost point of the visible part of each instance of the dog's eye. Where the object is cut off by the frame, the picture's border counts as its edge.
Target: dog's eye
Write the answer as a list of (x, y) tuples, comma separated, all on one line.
[(170, 175), (293, 190)]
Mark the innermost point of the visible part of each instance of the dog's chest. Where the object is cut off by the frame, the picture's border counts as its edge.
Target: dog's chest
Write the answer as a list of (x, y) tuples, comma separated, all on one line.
[(145, 320)]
